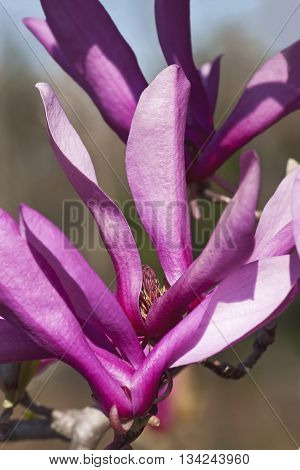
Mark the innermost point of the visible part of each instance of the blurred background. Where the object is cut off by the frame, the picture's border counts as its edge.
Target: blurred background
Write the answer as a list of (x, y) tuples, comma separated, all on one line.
[(257, 412)]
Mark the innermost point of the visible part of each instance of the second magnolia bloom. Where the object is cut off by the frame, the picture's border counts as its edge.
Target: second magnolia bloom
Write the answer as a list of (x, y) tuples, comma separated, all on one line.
[(83, 39)]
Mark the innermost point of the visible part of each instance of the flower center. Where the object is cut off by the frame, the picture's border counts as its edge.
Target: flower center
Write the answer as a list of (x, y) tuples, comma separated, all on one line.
[(151, 290)]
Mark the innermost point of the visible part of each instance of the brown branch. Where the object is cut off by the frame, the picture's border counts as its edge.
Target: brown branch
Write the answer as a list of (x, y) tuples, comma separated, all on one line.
[(40, 410), (82, 428), (15, 430), (264, 339), (5, 415)]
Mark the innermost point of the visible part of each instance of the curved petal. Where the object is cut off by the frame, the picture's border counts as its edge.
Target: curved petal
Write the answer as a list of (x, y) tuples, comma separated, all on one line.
[(89, 296), (210, 75), (229, 246), (40, 29), (272, 93), (113, 226), (119, 369), (156, 171), (16, 346), (98, 54), (274, 233), (173, 29), (245, 301), (296, 211), (66, 287), (28, 300)]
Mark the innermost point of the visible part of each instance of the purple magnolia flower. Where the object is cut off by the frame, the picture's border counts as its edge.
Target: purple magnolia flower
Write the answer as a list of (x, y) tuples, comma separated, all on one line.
[(82, 38), (53, 305)]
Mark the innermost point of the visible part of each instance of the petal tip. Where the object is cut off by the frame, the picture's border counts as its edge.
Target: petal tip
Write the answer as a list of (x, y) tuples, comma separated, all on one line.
[(24, 210), (45, 90), (26, 21), (249, 159), (34, 25), (41, 85), (172, 70)]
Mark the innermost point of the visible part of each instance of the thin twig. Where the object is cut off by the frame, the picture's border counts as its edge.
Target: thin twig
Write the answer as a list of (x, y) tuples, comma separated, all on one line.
[(5, 415), (40, 410), (264, 339), (28, 429)]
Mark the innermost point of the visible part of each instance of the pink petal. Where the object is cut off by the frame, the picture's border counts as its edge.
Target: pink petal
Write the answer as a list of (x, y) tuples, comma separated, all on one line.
[(29, 301), (229, 246), (99, 57), (173, 29), (272, 93), (90, 298), (210, 75), (246, 300), (120, 370), (40, 29), (16, 346), (113, 226), (156, 169), (274, 234)]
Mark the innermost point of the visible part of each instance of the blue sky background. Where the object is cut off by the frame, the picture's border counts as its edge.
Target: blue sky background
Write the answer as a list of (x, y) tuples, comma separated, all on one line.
[(261, 19)]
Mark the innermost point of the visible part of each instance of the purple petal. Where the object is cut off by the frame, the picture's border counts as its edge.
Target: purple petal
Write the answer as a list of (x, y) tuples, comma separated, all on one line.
[(274, 234), (16, 346), (89, 296), (272, 93), (119, 369), (296, 211), (229, 246), (210, 75), (113, 227), (97, 53), (156, 170), (242, 303), (29, 301), (40, 29), (173, 29)]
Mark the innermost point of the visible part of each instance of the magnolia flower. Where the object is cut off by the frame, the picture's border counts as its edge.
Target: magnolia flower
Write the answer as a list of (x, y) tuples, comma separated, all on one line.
[(53, 305), (84, 41)]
